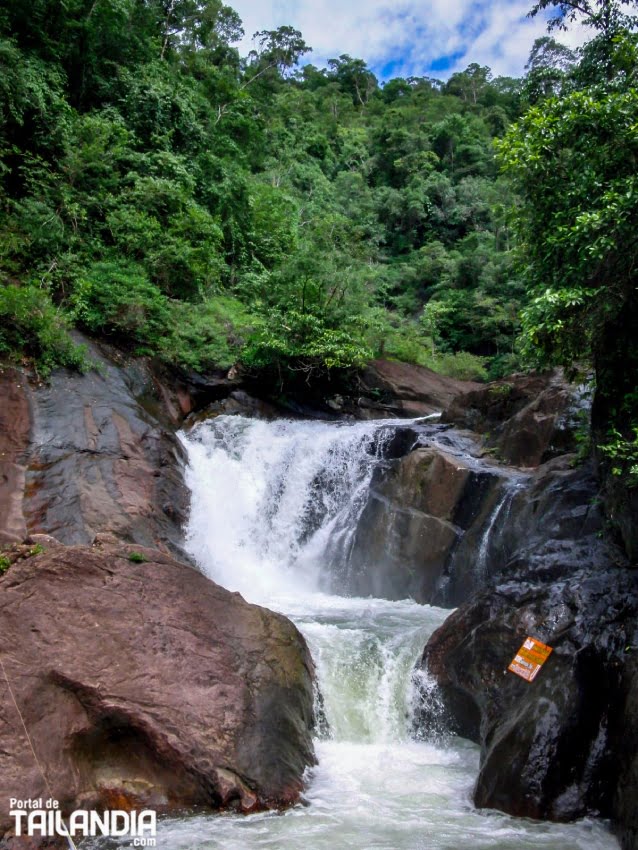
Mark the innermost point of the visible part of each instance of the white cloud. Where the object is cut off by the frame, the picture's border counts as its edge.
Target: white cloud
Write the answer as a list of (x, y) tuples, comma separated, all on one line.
[(412, 33)]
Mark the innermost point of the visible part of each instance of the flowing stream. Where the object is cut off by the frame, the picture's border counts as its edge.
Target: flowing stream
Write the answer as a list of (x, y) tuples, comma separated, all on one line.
[(274, 509)]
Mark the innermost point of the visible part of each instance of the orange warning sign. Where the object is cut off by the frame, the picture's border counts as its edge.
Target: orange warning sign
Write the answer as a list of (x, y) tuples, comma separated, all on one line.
[(529, 659)]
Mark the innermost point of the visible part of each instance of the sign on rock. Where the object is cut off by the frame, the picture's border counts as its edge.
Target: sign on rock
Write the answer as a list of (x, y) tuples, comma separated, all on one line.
[(529, 659)]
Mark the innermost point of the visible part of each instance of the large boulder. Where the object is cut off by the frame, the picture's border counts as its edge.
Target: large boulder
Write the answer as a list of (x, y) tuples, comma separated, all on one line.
[(382, 389), (554, 524), (441, 523), (84, 454), (391, 388), (526, 419), (555, 748), (144, 684), (419, 511)]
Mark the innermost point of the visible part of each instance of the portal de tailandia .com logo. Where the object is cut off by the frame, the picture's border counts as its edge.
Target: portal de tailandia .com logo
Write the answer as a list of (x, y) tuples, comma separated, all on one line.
[(42, 818)]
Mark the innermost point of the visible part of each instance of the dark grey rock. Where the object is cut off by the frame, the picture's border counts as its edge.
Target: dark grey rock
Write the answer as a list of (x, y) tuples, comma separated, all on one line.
[(553, 748)]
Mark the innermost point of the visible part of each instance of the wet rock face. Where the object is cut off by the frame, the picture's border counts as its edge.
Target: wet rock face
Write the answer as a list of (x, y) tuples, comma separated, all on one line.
[(419, 509), (554, 524), (441, 523), (621, 506), (527, 419), (142, 683), (555, 748), (237, 403), (625, 804), (91, 453)]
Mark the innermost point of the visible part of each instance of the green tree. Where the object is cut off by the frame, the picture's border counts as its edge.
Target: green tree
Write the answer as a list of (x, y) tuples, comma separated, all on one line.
[(354, 76), (574, 163), (547, 68), (471, 83), (159, 189)]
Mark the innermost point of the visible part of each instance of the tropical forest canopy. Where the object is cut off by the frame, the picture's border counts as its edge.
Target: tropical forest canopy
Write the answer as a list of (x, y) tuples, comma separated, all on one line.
[(161, 190)]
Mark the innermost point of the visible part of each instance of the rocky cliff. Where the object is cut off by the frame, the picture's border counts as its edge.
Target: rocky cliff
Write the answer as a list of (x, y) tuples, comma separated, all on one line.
[(553, 748), (446, 513), (497, 517)]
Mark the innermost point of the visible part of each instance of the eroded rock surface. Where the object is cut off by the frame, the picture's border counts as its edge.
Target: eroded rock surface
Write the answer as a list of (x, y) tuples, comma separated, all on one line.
[(419, 510), (441, 522), (142, 683), (15, 434)]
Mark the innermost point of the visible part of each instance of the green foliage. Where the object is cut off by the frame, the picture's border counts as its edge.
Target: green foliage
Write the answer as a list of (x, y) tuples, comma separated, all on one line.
[(418, 342), (117, 298), (305, 342), (206, 335), (161, 190), (30, 324), (461, 365), (5, 563), (573, 161), (137, 558), (622, 454)]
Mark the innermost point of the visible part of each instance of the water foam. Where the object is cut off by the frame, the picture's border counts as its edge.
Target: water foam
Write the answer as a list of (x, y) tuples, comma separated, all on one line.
[(274, 511)]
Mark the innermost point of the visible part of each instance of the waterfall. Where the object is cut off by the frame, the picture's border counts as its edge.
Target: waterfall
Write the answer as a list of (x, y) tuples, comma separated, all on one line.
[(497, 521), (273, 503), (275, 507), (502, 506)]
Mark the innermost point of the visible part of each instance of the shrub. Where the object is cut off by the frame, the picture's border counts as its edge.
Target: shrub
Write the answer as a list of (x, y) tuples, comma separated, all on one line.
[(31, 325), (305, 342), (117, 298), (622, 454), (137, 558), (207, 334), (461, 365)]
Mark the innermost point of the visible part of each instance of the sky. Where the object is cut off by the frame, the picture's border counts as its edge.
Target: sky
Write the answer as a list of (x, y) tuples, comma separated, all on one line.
[(408, 37)]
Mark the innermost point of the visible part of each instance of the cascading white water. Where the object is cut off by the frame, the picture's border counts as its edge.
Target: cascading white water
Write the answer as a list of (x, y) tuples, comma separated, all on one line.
[(499, 513), (274, 508), (269, 499)]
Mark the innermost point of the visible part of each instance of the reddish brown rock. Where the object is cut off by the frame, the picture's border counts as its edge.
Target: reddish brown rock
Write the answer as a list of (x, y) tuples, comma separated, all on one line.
[(419, 510), (403, 389), (431, 481), (173, 393), (15, 430), (142, 683)]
